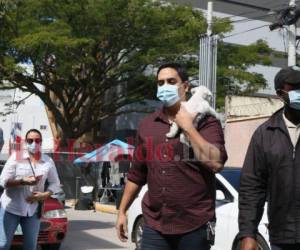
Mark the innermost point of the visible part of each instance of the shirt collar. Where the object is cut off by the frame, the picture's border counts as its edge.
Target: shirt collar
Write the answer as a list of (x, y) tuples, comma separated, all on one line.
[(159, 115), (288, 123), (26, 156)]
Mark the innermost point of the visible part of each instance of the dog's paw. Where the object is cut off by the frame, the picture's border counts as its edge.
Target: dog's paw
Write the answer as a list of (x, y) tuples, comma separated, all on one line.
[(184, 140), (170, 135)]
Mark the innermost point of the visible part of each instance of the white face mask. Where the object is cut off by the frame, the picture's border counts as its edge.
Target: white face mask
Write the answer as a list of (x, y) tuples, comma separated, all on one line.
[(294, 96), (33, 148), (168, 94)]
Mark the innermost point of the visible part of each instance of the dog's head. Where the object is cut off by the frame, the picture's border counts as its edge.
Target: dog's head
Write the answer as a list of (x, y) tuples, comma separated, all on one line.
[(202, 92)]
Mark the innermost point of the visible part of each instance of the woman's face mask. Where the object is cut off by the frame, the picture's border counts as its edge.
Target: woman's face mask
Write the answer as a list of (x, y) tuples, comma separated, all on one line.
[(33, 145)]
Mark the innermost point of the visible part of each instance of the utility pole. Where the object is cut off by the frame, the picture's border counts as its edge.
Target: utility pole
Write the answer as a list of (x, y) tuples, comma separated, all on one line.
[(209, 18), (292, 39), (208, 45), (209, 33), (210, 52)]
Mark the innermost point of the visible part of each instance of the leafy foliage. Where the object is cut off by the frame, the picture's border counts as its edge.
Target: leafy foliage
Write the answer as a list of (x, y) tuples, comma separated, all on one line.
[(93, 57)]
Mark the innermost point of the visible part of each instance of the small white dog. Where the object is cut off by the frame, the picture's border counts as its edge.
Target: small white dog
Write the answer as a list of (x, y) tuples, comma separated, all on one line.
[(197, 106)]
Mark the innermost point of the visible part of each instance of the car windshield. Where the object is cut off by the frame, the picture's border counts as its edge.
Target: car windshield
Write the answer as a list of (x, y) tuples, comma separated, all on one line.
[(232, 175)]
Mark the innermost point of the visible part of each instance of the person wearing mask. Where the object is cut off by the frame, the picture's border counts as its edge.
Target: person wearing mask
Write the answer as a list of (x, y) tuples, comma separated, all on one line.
[(180, 202), (271, 171), (23, 178)]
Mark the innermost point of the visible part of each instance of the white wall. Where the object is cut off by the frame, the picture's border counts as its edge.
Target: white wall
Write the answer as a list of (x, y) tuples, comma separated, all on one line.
[(31, 114)]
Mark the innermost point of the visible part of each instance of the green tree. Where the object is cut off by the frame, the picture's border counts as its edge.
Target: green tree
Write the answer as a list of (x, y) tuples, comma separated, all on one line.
[(234, 61), (90, 58)]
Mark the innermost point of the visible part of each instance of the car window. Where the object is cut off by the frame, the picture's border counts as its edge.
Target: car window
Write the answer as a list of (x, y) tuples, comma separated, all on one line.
[(232, 175), (220, 186)]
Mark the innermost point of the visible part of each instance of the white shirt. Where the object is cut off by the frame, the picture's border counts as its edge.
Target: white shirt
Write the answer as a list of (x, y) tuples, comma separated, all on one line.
[(294, 131), (17, 166)]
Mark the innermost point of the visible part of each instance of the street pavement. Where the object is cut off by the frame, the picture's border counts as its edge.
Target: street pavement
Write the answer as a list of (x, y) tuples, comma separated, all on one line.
[(89, 230)]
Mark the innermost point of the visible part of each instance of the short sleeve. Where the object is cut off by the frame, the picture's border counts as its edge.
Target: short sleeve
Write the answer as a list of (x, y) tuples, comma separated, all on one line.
[(211, 130), (138, 171)]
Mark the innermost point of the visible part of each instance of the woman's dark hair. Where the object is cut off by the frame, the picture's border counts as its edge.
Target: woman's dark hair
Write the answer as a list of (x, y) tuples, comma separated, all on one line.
[(176, 66), (34, 131)]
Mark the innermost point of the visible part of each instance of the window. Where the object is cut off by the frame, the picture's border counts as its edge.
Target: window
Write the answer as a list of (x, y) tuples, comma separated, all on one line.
[(43, 127)]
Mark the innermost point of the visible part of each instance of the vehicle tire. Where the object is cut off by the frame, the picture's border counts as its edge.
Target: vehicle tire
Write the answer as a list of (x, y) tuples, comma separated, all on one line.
[(51, 246), (138, 232), (262, 244)]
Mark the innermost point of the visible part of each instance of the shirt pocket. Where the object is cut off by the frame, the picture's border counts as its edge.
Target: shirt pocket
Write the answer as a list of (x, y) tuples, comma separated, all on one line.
[(22, 171)]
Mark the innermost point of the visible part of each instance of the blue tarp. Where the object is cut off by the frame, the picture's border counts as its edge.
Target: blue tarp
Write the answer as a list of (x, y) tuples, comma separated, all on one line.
[(111, 151)]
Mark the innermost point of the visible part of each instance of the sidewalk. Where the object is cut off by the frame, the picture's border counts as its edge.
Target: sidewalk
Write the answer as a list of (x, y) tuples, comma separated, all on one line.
[(99, 207), (106, 208)]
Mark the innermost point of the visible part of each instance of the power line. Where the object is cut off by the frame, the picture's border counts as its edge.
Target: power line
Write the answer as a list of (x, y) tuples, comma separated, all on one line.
[(239, 33), (252, 18)]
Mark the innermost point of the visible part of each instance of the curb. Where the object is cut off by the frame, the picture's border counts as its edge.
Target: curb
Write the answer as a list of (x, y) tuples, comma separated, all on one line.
[(105, 208)]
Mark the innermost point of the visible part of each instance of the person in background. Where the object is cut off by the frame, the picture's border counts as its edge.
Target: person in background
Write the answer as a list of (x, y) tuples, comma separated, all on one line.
[(105, 173), (23, 178), (271, 172), (179, 207)]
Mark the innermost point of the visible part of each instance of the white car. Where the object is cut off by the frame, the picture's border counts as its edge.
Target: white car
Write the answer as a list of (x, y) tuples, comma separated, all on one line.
[(227, 184)]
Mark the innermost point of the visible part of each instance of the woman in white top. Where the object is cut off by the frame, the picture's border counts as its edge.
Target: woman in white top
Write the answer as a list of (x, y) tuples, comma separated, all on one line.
[(23, 178)]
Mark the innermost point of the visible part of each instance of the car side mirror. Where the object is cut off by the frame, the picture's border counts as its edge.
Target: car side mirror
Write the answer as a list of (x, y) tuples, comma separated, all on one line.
[(220, 195)]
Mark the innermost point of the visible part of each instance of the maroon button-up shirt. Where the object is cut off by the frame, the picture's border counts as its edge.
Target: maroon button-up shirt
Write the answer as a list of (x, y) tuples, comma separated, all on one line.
[(181, 192)]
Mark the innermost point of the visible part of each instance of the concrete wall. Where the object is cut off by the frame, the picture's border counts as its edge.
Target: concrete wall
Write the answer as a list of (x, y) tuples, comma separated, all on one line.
[(244, 114), (237, 138)]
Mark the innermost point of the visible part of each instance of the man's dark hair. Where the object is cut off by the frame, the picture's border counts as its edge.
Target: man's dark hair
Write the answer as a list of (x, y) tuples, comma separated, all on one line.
[(176, 66), (35, 131)]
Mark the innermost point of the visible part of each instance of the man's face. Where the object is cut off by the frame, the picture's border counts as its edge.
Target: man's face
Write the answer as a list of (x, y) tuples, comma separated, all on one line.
[(283, 92), (170, 76)]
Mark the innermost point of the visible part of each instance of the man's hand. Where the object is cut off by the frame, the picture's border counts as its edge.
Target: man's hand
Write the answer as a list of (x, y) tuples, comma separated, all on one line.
[(36, 196), (184, 119), (121, 226), (30, 181), (249, 243)]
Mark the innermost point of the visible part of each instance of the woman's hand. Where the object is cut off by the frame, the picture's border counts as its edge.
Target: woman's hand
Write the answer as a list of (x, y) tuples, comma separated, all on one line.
[(37, 196), (29, 180)]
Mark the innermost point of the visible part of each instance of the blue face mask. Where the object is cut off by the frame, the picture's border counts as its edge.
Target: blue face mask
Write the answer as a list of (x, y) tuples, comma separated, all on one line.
[(168, 94), (294, 97), (33, 148)]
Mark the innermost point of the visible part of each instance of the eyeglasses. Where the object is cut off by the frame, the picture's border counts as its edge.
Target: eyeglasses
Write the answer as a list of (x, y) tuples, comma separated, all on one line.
[(36, 140), (171, 81)]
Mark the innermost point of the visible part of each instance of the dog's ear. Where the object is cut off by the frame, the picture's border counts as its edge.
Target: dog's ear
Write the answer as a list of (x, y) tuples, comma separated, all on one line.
[(193, 90), (208, 95)]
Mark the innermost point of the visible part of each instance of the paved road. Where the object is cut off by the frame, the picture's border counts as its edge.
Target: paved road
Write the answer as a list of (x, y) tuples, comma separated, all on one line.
[(90, 230)]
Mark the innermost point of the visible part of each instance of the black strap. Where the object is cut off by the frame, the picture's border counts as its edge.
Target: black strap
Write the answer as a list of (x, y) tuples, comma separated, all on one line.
[(31, 166)]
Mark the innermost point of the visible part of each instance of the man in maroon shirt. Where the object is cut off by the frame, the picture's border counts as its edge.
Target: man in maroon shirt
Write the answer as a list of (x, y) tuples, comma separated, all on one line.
[(181, 181)]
